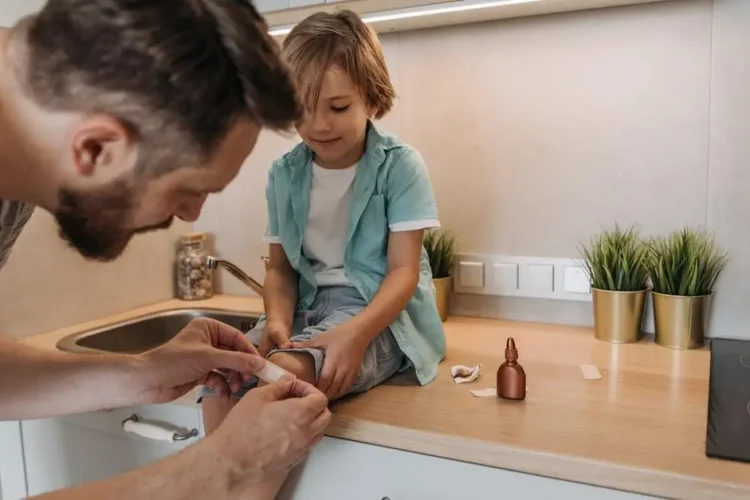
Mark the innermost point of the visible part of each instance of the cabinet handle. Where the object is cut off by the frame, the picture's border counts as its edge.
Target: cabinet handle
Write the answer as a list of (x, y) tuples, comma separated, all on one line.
[(155, 432)]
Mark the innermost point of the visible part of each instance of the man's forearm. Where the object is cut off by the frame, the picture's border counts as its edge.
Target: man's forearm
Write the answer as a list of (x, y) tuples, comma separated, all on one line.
[(192, 473), (36, 383), (280, 296)]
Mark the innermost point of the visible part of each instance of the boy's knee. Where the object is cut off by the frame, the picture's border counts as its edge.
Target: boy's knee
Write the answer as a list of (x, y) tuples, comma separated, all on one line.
[(301, 364)]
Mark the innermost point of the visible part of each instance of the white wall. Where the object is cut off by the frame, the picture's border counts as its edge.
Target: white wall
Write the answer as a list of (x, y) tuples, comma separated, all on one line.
[(538, 131)]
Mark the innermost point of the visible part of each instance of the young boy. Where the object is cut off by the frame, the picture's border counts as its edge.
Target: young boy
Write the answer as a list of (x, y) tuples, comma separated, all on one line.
[(349, 299)]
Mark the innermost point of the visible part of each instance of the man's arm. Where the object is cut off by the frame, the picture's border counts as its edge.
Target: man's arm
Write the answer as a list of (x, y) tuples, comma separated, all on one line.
[(189, 474), (41, 383), (268, 432), (35, 383)]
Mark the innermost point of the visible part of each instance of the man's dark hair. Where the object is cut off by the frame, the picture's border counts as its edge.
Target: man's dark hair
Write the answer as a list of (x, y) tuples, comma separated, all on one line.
[(176, 73)]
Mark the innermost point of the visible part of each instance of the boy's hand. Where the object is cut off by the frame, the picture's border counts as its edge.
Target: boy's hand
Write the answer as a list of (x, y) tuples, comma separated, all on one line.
[(345, 351), (275, 335)]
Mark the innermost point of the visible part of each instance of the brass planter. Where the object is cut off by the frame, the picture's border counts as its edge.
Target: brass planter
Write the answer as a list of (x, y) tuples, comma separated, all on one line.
[(618, 316), (681, 322), (443, 287)]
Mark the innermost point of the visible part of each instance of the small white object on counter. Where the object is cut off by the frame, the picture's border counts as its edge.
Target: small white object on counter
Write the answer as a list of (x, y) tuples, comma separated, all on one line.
[(484, 393), (463, 374), (590, 372)]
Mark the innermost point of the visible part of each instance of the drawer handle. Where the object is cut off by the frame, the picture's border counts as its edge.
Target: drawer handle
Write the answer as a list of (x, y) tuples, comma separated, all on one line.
[(155, 432)]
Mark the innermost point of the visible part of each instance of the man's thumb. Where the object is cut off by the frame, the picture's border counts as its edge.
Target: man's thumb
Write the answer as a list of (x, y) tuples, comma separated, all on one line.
[(278, 390), (240, 362)]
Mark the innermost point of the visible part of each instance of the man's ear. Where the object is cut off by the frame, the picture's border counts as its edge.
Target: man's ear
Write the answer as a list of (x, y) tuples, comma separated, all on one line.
[(102, 147)]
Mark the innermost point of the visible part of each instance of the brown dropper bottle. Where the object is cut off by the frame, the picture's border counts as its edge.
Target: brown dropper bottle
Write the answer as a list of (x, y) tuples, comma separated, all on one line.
[(511, 379)]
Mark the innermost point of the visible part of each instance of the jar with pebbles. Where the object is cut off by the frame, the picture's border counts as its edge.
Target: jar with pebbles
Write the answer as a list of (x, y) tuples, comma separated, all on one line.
[(194, 278)]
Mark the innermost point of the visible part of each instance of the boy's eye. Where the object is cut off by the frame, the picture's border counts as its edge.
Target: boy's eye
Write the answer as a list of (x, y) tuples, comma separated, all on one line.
[(339, 109)]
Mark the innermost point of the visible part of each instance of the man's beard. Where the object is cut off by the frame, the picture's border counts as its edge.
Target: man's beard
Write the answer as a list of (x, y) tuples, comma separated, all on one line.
[(97, 223)]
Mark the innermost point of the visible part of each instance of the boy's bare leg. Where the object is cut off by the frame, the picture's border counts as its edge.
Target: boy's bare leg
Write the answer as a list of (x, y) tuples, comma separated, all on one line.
[(303, 367)]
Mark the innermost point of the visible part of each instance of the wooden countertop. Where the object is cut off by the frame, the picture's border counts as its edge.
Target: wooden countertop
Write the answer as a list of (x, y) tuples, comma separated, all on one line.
[(640, 428)]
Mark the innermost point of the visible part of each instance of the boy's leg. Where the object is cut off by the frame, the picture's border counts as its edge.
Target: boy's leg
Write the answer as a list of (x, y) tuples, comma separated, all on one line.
[(215, 406)]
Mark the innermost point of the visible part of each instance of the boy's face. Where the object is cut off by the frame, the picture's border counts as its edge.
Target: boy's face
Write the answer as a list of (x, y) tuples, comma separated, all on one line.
[(335, 128)]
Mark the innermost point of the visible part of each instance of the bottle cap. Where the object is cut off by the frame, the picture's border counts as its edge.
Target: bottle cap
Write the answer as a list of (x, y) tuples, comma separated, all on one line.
[(511, 354), (193, 237)]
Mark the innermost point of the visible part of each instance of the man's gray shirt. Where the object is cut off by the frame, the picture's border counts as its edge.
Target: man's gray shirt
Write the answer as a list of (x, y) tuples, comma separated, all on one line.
[(13, 216)]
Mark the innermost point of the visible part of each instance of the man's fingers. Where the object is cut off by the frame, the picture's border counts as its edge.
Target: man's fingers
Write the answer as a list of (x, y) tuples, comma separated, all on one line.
[(235, 381), (321, 422), (217, 383), (225, 336), (302, 389)]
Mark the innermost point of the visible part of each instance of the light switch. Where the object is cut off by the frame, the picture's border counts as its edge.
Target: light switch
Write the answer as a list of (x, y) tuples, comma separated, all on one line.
[(471, 274), (506, 276), (575, 280), (539, 278)]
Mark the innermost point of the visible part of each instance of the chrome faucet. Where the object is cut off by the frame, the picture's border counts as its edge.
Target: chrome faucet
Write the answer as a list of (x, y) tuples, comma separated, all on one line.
[(214, 263)]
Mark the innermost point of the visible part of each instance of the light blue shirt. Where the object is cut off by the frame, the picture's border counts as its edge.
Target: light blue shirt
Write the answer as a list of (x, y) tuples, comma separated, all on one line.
[(391, 192)]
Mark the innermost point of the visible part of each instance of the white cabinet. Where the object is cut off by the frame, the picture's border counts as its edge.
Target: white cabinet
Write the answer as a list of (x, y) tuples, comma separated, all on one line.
[(344, 470), (12, 475), (63, 452)]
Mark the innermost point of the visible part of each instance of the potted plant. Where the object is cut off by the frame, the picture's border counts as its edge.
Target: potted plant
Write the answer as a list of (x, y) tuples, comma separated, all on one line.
[(441, 248), (684, 267), (616, 265)]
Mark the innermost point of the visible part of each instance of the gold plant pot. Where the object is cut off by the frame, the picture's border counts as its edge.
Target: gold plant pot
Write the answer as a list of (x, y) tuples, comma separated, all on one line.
[(681, 322), (618, 316), (443, 287)]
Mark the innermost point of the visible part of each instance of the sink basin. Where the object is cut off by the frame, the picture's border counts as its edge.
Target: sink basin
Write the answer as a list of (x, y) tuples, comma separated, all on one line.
[(147, 332)]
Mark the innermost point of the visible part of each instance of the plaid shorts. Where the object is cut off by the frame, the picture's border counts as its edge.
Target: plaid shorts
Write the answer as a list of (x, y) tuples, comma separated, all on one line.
[(333, 306)]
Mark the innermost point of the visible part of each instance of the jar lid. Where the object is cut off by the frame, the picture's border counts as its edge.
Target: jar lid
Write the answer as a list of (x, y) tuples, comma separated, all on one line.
[(193, 237)]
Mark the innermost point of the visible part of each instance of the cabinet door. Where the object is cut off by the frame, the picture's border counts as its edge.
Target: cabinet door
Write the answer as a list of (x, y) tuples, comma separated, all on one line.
[(65, 452), (342, 470), (12, 473)]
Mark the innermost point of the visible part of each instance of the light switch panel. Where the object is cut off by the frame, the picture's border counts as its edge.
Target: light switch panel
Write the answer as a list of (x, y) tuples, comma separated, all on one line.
[(471, 274), (505, 277), (539, 278), (575, 280)]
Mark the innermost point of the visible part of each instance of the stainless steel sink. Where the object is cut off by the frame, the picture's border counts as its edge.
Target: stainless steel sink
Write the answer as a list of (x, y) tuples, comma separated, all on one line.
[(147, 332)]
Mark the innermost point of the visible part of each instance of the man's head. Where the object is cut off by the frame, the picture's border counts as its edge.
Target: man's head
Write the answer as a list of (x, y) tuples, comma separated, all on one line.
[(160, 101), (340, 70)]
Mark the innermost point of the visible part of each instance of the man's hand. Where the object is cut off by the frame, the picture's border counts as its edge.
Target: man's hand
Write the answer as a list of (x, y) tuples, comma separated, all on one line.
[(275, 335), (171, 370), (270, 430), (345, 351)]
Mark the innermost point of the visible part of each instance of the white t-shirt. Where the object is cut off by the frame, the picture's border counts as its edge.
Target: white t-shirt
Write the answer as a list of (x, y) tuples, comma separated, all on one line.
[(328, 223)]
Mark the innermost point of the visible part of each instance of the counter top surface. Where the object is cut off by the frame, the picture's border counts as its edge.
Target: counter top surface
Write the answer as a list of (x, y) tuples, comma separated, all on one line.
[(641, 427)]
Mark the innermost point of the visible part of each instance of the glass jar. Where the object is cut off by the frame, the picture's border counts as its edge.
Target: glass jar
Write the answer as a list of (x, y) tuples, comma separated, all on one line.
[(194, 278)]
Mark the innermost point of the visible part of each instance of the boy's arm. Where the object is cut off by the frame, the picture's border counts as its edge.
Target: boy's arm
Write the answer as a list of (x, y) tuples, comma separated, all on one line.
[(280, 284), (404, 251), (411, 208), (280, 288)]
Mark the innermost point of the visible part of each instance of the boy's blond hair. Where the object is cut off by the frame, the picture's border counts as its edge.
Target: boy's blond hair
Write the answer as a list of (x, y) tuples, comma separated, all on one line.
[(344, 40)]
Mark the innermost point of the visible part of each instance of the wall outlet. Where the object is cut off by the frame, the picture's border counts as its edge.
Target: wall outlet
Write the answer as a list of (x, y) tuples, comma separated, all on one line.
[(516, 276), (471, 274)]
